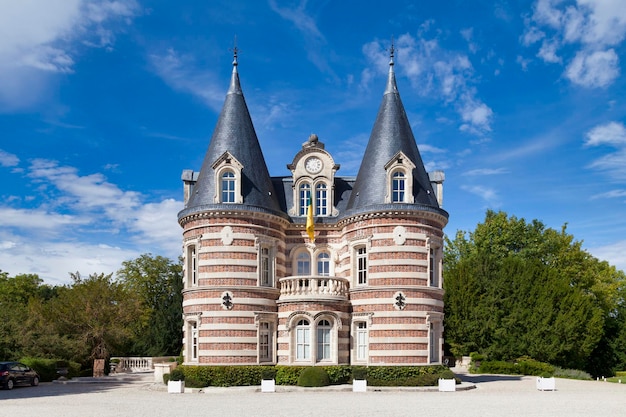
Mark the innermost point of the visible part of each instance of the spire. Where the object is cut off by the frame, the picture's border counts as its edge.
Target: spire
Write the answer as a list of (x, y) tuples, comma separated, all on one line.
[(235, 87), (391, 134), (234, 133), (391, 79)]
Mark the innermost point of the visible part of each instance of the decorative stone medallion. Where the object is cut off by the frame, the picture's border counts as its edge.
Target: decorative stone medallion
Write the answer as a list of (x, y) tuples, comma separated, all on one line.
[(399, 235), (227, 235)]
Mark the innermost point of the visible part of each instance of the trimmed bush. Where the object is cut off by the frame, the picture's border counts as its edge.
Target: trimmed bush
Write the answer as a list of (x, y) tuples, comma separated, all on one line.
[(177, 374), (523, 366), (288, 375), (571, 374), (47, 368), (314, 377), (338, 374), (359, 372), (404, 376), (268, 372)]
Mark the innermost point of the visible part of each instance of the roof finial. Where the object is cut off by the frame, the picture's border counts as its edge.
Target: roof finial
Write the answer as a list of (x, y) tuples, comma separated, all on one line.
[(391, 52), (235, 52)]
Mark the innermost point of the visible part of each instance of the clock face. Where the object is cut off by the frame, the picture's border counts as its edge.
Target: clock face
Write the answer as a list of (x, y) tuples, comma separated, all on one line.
[(313, 165)]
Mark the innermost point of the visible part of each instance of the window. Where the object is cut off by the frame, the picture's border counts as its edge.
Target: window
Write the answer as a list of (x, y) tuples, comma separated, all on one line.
[(228, 187), (361, 341), (265, 267), (192, 266), (434, 346), (194, 340), (265, 342), (398, 187), (321, 200), (305, 192), (433, 266), (323, 340), (303, 264), (323, 264), (361, 265), (303, 343)]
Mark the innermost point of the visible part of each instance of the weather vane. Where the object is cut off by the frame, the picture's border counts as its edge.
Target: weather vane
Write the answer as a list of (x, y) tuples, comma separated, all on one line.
[(235, 51)]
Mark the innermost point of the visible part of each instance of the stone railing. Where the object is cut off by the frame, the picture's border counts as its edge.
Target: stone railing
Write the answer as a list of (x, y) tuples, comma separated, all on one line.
[(330, 288), (131, 364)]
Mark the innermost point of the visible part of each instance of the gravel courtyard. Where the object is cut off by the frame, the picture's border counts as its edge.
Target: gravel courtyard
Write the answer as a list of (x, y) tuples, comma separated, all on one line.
[(492, 396)]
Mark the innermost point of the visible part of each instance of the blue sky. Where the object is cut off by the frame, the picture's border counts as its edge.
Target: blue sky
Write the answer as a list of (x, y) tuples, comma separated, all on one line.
[(103, 104)]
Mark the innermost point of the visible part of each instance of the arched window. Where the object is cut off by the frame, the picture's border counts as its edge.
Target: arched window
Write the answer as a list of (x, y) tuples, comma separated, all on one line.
[(323, 340), (303, 340), (304, 194), (321, 200), (228, 187), (323, 264), (303, 264), (398, 187)]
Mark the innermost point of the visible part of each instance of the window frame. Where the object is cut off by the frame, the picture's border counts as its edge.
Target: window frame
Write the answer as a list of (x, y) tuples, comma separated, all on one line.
[(323, 340), (361, 347), (361, 265), (228, 183), (321, 199), (322, 258), (303, 340)]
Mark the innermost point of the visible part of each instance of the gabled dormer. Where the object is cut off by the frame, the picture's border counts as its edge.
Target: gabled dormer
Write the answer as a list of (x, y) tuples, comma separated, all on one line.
[(313, 175), (399, 171), (228, 173)]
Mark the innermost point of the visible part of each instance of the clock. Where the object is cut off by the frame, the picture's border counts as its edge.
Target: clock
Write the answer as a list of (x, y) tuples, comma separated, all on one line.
[(313, 165)]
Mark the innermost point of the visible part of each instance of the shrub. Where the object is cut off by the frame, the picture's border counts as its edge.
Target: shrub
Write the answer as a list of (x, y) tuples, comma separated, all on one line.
[(177, 374), (47, 368), (571, 374), (288, 375), (523, 366), (314, 377), (268, 372), (404, 376), (620, 373), (359, 372), (166, 378), (338, 374)]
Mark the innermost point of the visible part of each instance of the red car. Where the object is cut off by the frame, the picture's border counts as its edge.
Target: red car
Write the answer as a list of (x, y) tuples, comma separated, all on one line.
[(15, 373)]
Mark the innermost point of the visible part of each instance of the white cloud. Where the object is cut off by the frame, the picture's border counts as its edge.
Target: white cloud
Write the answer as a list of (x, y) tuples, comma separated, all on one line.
[(610, 194), (179, 72), (614, 253), (42, 37), (486, 171), (489, 195), (611, 134), (592, 27), (435, 72), (74, 223), (8, 159), (595, 69)]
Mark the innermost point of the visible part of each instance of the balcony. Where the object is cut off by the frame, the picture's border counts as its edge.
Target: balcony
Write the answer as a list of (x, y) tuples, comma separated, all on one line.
[(313, 287)]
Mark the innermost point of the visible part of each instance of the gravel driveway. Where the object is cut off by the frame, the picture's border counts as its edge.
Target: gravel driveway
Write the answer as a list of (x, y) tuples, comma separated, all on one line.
[(493, 396)]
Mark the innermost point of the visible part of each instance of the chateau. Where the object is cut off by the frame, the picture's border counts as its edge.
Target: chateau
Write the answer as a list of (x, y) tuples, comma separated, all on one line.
[(312, 268)]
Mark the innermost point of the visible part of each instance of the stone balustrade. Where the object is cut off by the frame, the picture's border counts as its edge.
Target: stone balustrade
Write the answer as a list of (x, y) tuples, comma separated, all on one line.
[(299, 287), (131, 364)]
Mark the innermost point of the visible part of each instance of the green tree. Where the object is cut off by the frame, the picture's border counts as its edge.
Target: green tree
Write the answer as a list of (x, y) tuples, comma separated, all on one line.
[(158, 284), (91, 318), (515, 288), (16, 294)]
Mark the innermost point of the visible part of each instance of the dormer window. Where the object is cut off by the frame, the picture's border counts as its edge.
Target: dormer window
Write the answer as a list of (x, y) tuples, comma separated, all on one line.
[(399, 179), (228, 187), (398, 187), (227, 179)]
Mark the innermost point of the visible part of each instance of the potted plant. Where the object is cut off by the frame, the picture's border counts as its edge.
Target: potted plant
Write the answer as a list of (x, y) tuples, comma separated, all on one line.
[(268, 375), (176, 382), (359, 379)]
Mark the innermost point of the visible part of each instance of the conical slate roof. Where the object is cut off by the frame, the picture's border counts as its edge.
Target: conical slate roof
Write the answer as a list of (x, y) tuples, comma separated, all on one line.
[(391, 134), (234, 133)]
